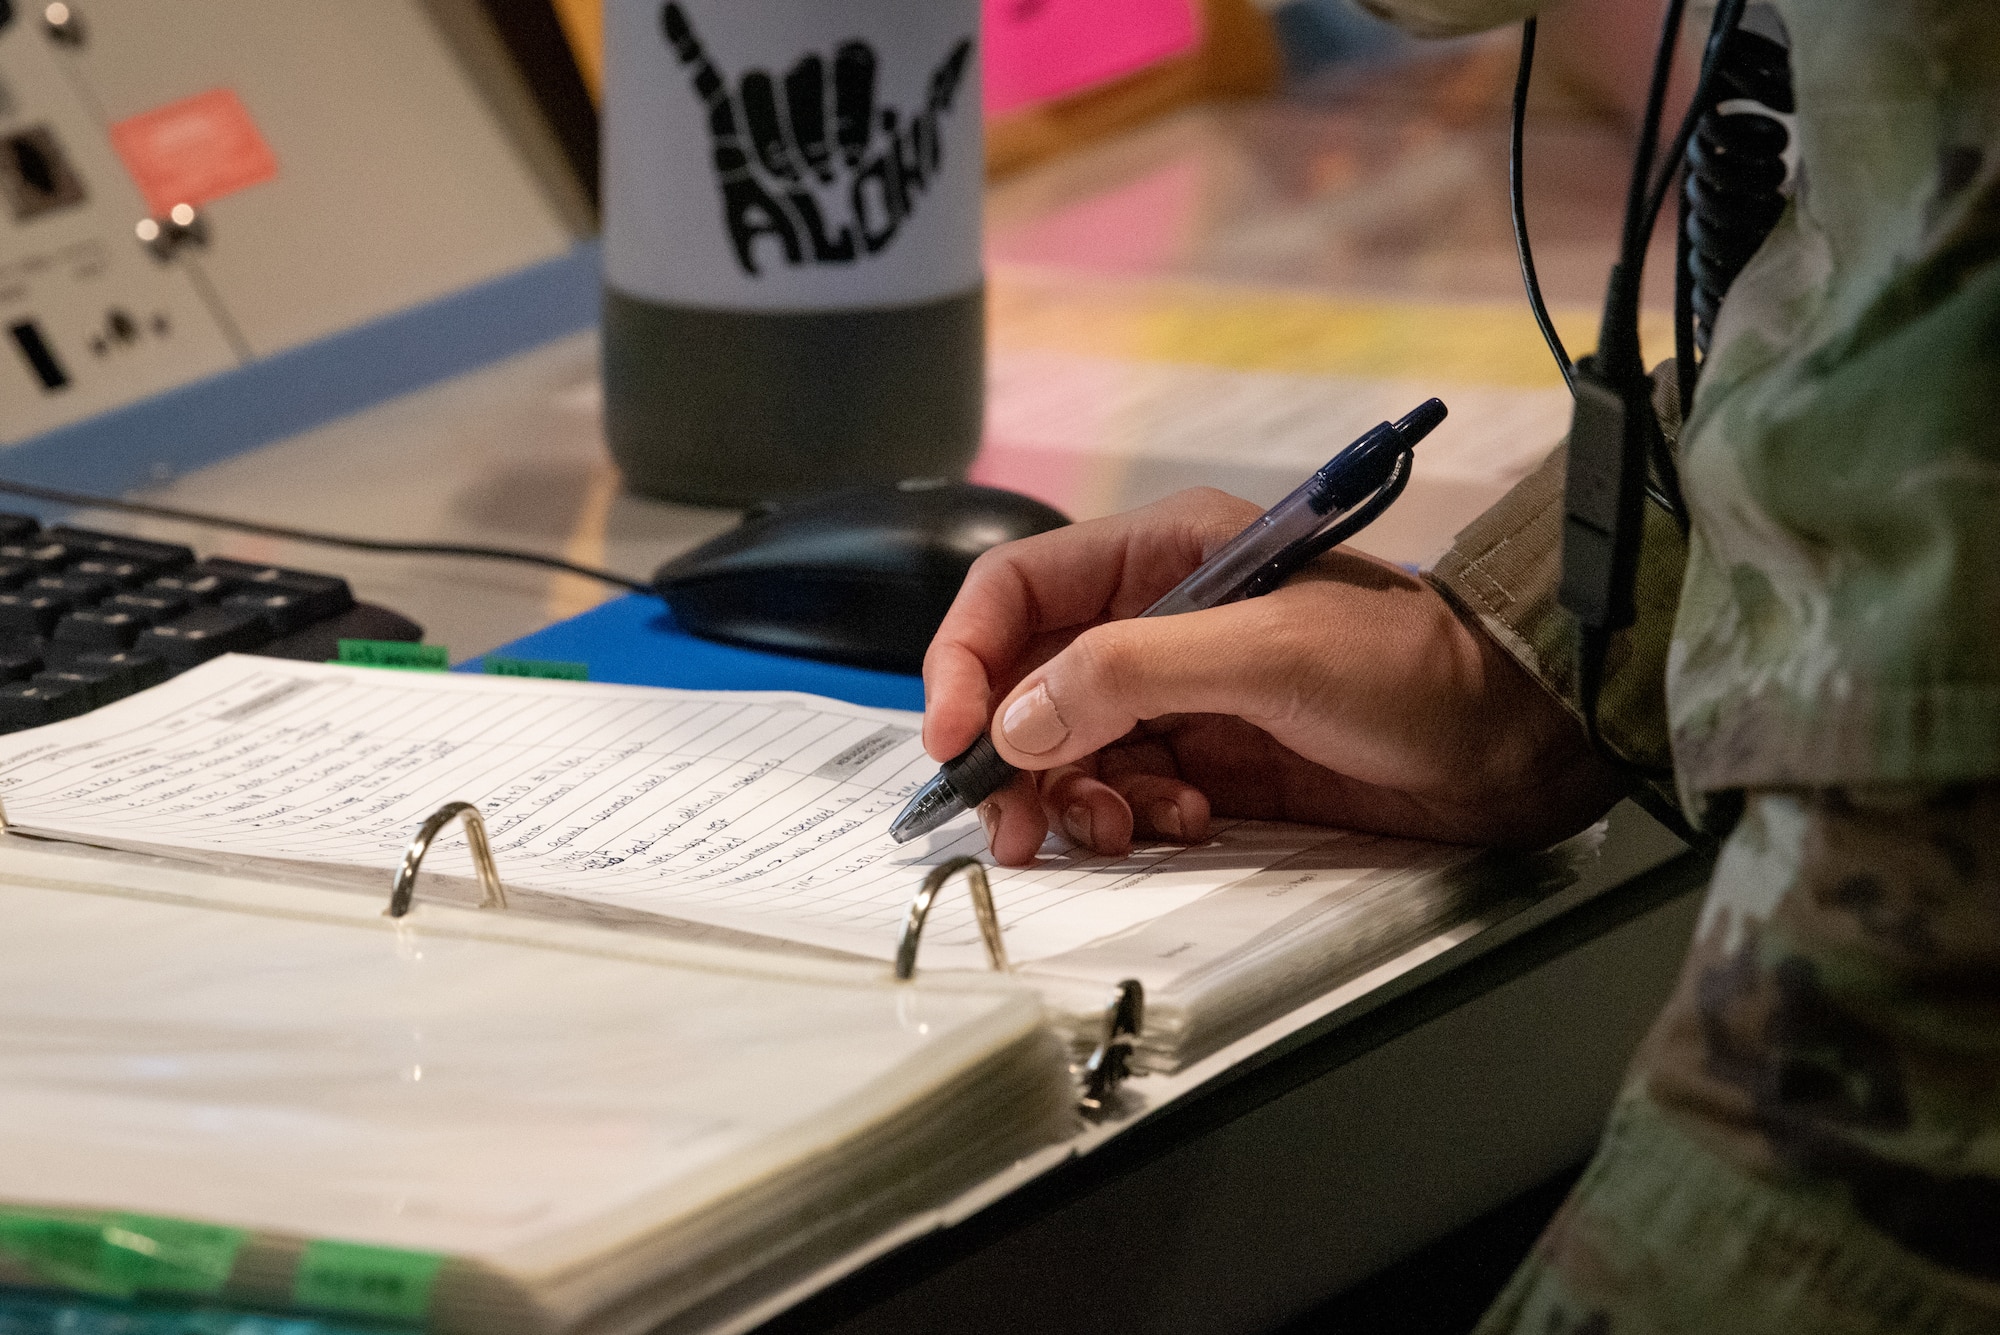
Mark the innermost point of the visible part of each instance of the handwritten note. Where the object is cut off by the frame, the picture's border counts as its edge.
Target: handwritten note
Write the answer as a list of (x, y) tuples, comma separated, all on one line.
[(759, 812)]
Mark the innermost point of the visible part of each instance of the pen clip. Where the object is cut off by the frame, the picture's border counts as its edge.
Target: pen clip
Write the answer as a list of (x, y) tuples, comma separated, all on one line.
[(1342, 527)]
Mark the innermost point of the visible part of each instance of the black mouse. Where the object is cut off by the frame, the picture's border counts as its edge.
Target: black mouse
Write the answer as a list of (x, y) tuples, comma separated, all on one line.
[(861, 576)]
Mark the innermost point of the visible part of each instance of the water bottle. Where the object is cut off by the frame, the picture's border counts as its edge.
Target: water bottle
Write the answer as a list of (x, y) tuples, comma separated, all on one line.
[(793, 292)]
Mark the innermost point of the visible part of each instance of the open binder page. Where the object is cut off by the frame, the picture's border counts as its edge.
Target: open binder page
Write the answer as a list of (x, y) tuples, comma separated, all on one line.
[(1219, 967), (764, 813)]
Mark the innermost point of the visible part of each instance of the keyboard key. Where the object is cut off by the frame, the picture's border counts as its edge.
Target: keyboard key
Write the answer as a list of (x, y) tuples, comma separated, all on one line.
[(203, 634), (189, 586), (283, 612), (81, 590), (13, 574), (29, 704), (150, 608), (125, 573), (164, 556), (20, 659), (135, 671), (39, 556), (106, 628), (31, 612), (18, 528), (102, 687), (325, 595)]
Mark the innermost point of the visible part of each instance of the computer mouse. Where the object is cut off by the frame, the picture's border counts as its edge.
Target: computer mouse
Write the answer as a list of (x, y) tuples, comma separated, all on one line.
[(862, 576)]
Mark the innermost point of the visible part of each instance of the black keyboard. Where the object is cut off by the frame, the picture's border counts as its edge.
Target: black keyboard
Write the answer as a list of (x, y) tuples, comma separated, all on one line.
[(87, 618)]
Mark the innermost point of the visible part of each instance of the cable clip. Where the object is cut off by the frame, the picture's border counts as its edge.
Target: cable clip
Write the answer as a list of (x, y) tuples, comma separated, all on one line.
[(1612, 435)]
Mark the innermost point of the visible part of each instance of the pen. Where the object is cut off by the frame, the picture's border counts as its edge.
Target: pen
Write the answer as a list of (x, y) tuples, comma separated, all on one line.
[(1331, 506)]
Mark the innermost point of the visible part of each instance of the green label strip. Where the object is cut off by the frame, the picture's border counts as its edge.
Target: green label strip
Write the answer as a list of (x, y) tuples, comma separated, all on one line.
[(367, 1281), (536, 667), (119, 1255), (394, 654)]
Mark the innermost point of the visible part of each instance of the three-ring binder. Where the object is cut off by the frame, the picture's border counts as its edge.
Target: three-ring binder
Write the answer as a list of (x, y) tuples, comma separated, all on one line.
[(982, 911), (404, 890), (1110, 1062), (1100, 1074)]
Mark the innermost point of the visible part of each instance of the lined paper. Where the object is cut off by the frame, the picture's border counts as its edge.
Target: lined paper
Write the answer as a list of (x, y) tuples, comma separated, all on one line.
[(762, 812)]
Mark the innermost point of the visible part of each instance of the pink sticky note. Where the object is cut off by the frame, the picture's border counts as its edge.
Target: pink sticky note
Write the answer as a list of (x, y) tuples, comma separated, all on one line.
[(194, 150), (1037, 50)]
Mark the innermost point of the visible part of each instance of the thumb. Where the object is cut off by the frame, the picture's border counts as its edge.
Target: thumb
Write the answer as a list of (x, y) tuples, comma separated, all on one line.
[(1223, 660)]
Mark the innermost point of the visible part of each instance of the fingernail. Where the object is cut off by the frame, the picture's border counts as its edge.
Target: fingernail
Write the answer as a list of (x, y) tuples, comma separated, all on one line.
[(989, 816), (1032, 724), (1167, 820), (1076, 821)]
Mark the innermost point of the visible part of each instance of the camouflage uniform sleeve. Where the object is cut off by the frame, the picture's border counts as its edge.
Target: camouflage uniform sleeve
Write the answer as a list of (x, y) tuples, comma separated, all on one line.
[(1502, 572)]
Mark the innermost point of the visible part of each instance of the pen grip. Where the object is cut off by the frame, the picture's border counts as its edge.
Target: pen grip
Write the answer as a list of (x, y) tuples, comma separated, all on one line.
[(978, 772)]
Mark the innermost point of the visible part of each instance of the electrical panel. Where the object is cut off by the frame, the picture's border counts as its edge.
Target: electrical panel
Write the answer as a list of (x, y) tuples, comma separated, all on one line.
[(190, 186)]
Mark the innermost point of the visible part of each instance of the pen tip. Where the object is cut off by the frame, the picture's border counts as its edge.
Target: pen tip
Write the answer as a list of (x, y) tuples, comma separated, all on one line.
[(1420, 421), (934, 804)]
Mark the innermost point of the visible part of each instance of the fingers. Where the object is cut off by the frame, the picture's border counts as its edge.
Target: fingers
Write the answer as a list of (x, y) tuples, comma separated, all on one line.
[(1040, 590), (760, 117), (680, 34), (957, 698), (1101, 813), (1163, 807), (1225, 660), (1087, 811), (853, 100), (1084, 810), (1015, 823), (805, 102)]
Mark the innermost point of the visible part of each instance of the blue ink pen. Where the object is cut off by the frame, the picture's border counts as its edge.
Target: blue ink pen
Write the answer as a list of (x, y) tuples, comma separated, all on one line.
[(1330, 507)]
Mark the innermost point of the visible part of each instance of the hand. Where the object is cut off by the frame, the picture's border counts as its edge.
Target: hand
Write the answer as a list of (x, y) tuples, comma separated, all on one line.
[(1351, 696), (821, 186)]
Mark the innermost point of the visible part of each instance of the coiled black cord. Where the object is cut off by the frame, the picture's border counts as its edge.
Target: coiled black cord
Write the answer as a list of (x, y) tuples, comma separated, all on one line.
[(1734, 189)]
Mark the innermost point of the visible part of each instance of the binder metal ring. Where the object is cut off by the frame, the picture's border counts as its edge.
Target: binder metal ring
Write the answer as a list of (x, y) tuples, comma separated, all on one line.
[(982, 911), (404, 891), (1106, 1068)]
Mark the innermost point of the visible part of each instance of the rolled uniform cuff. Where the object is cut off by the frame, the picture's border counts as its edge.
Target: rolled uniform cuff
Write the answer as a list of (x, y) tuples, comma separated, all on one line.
[(1502, 574)]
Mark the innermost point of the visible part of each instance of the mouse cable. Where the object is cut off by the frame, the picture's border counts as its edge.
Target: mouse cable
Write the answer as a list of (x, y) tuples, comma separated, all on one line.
[(87, 500), (1518, 200)]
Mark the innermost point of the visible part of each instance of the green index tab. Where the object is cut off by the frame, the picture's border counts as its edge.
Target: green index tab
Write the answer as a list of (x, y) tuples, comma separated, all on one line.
[(394, 654), (368, 1281), (535, 667), (120, 1255)]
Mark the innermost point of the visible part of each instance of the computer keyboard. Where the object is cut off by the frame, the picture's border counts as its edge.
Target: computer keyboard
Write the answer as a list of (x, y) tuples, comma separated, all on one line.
[(87, 617)]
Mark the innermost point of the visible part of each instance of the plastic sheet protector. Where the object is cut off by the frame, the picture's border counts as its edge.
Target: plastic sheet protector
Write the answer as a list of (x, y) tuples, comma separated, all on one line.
[(756, 812)]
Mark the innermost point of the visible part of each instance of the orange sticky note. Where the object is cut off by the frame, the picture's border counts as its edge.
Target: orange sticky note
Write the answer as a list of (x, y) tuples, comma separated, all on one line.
[(1037, 50), (194, 150)]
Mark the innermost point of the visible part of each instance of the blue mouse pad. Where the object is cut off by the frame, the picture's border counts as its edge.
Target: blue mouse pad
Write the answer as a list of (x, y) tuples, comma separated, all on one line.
[(634, 640)]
